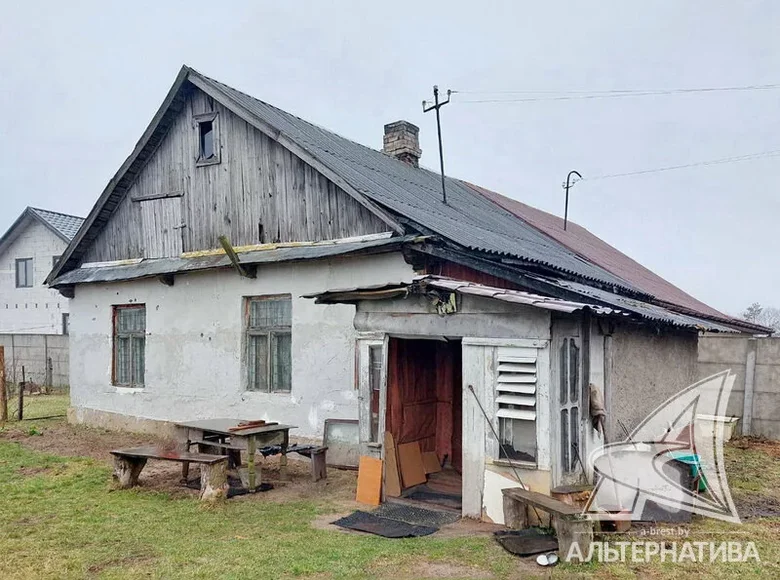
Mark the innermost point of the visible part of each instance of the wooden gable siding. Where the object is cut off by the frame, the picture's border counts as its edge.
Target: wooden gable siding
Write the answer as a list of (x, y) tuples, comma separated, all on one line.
[(257, 182)]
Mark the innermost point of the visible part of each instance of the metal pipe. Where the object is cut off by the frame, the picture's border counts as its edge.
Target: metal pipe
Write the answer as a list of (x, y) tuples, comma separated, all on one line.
[(566, 187), (436, 106)]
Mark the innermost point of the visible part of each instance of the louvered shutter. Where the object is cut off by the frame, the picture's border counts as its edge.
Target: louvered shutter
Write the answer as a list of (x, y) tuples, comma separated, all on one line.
[(516, 387)]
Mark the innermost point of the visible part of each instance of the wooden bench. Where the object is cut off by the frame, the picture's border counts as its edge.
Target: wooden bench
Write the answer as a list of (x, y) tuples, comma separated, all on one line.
[(128, 464), (569, 523), (319, 469)]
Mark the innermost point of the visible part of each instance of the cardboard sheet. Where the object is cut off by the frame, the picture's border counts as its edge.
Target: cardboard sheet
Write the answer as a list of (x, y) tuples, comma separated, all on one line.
[(410, 460), (392, 475), (431, 462), (369, 485)]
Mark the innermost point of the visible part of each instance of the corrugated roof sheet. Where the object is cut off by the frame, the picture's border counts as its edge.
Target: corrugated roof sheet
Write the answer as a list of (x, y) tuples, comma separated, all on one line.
[(66, 225), (468, 218), (593, 299), (644, 309), (147, 268)]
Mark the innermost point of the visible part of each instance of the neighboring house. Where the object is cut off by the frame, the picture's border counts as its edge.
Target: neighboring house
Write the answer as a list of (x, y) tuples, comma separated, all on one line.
[(479, 292), (28, 252)]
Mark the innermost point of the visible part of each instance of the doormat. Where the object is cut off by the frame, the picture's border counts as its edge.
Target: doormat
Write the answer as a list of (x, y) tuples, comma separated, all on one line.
[(435, 497), (385, 527), (415, 516), (526, 542)]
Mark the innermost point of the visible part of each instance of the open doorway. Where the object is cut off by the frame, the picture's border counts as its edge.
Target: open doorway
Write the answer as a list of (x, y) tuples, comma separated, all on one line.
[(424, 405)]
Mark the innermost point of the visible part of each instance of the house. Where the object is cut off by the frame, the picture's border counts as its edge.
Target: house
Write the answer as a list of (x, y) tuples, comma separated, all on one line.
[(246, 263), (28, 251)]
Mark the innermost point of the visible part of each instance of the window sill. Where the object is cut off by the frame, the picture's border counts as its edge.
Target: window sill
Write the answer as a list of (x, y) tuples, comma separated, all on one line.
[(127, 390), (207, 162), (514, 463), (283, 393)]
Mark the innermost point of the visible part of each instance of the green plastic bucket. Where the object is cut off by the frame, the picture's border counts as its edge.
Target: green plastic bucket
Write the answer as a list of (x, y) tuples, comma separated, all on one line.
[(692, 460)]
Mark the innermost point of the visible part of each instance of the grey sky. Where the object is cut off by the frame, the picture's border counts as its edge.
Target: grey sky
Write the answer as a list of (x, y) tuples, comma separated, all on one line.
[(80, 81)]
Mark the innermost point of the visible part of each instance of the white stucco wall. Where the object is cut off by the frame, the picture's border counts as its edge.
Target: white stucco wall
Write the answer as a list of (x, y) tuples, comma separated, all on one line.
[(36, 310), (194, 340)]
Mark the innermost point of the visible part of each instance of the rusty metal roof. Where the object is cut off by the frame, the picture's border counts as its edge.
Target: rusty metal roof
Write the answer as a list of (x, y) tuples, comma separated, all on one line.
[(591, 247)]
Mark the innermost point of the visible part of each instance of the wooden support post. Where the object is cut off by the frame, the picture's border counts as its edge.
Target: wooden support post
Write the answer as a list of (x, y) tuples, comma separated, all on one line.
[(3, 391), (251, 448), (127, 470), (319, 469), (213, 481), (245, 270), (515, 514), (21, 396), (569, 530), (283, 459)]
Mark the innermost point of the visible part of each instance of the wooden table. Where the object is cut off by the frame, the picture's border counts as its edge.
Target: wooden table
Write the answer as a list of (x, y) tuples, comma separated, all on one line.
[(250, 440)]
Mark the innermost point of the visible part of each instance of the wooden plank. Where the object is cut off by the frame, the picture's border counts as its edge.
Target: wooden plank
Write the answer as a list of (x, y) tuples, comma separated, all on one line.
[(392, 475), (410, 459), (431, 462), (541, 501), (369, 485), (167, 454), (154, 196)]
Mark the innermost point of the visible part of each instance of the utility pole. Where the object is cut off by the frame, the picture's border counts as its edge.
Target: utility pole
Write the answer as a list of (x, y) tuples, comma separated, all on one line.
[(435, 107), (566, 186)]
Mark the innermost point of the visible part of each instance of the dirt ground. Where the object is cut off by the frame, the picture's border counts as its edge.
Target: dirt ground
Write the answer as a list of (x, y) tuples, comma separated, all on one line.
[(60, 438)]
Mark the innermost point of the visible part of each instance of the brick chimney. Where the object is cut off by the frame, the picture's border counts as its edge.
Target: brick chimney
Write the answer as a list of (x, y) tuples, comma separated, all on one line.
[(402, 141)]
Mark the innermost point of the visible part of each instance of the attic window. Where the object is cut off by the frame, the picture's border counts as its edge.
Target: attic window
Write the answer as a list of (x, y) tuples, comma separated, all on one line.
[(206, 129), (208, 144)]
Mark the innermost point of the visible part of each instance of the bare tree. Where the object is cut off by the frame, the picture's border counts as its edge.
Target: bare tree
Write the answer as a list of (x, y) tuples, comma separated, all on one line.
[(765, 316)]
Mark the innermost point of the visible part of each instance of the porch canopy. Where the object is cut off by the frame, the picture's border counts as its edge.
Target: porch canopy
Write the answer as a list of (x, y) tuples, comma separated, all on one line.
[(441, 289)]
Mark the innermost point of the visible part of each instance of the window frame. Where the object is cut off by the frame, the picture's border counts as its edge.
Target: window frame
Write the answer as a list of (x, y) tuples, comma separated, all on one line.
[(66, 323), (270, 332), (198, 120), (28, 283), (115, 334)]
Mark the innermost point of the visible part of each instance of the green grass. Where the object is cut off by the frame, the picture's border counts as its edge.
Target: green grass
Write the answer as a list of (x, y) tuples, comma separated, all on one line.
[(60, 518), (39, 406)]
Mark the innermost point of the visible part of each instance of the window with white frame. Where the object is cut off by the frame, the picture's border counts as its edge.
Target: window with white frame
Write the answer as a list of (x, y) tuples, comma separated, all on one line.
[(516, 401), (129, 345), (269, 343)]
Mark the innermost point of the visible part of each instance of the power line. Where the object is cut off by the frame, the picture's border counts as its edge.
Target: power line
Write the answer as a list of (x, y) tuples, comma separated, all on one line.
[(569, 95), (736, 159)]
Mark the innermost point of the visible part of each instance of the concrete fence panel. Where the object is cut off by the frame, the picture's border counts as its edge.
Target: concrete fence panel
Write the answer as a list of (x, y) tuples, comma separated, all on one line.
[(756, 363), (44, 357)]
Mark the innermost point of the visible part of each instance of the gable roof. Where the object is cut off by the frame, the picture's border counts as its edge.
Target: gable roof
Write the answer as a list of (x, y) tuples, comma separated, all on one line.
[(399, 194), (64, 226), (378, 181)]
